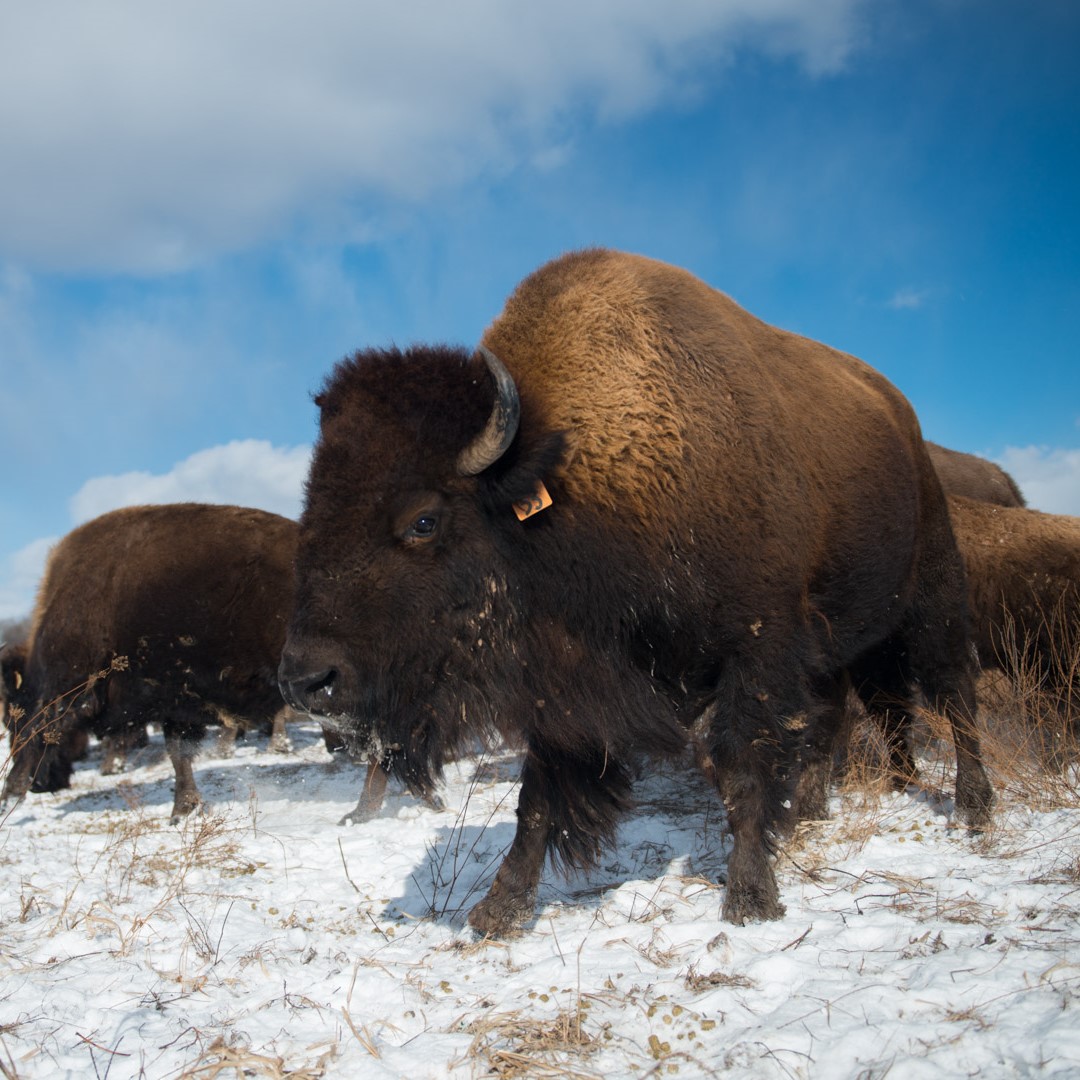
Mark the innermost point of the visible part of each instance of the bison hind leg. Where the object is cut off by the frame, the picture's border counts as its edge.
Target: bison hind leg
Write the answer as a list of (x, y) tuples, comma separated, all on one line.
[(371, 795), (186, 798), (762, 713)]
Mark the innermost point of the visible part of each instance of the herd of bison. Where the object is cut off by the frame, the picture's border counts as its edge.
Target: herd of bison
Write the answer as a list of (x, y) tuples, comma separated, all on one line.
[(635, 519)]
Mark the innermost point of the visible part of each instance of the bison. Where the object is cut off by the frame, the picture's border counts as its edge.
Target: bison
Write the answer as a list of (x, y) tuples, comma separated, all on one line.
[(971, 477), (739, 517), (1023, 573), (1023, 579), (171, 614), (974, 477)]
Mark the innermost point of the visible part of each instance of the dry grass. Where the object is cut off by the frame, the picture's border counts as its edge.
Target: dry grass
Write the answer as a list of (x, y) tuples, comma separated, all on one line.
[(234, 1061), (513, 1044)]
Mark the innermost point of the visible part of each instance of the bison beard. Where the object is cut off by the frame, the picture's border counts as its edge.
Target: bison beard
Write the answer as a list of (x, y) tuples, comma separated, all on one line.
[(741, 519)]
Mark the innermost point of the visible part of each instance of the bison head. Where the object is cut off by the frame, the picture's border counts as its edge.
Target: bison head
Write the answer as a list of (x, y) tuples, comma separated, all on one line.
[(40, 757), (405, 584)]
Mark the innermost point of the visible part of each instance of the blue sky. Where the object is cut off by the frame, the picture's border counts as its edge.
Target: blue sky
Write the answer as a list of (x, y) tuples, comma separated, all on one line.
[(204, 205)]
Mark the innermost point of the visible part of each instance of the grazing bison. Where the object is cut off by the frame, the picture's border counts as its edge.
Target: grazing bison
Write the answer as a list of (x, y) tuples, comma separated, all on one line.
[(1023, 573), (739, 517), (194, 598), (974, 477)]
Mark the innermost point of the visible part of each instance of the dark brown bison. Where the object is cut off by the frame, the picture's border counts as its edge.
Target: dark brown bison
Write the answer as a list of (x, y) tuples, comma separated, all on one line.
[(739, 517), (168, 614), (974, 477)]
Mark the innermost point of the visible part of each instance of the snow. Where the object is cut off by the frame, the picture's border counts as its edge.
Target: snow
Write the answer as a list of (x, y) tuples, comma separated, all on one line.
[(261, 939)]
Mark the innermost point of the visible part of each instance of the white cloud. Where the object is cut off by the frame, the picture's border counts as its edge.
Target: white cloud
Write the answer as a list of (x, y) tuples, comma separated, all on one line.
[(19, 577), (147, 136), (250, 472), (1049, 478)]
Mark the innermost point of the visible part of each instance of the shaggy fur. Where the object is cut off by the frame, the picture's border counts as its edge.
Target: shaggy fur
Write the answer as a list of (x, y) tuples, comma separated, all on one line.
[(194, 597), (740, 516), (974, 477)]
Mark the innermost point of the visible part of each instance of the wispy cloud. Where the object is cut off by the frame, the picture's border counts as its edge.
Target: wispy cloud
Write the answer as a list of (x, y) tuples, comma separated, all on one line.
[(1048, 477), (907, 299), (179, 131)]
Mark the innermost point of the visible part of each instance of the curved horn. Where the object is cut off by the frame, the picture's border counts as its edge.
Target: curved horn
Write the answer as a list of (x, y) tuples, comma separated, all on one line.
[(502, 425)]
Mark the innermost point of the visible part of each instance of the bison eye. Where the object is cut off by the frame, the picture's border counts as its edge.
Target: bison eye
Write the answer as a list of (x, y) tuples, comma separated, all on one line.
[(423, 528)]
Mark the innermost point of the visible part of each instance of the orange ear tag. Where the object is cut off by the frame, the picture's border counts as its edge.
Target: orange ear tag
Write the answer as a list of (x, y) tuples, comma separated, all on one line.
[(540, 500)]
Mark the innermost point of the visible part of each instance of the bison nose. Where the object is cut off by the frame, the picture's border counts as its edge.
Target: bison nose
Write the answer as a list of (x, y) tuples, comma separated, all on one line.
[(308, 691)]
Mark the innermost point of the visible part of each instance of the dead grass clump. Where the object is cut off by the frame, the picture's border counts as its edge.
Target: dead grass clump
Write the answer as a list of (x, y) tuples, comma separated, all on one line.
[(513, 1045), (140, 856), (699, 981), (222, 1059)]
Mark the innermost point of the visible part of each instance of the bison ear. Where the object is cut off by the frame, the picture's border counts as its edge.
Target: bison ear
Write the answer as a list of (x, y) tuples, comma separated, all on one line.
[(515, 476)]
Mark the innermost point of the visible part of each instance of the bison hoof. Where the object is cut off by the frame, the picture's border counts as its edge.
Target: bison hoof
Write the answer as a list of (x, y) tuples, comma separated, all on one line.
[(499, 914), (433, 802), (974, 804), (358, 816), (281, 744), (746, 905), (182, 810)]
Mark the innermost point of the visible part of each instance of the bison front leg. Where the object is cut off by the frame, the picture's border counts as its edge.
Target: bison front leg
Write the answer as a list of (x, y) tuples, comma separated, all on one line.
[(17, 782), (570, 805)]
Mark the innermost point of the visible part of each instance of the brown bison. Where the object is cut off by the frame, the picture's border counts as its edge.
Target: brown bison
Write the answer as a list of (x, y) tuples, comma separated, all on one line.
[(739, 516), (169, 614), (974, 477)]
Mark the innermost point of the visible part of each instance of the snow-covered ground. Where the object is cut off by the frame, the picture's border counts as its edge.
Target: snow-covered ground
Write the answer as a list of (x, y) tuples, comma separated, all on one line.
[(261, 939)]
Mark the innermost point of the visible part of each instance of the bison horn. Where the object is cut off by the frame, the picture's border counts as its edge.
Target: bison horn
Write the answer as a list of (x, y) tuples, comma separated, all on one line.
[(502, 424)]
